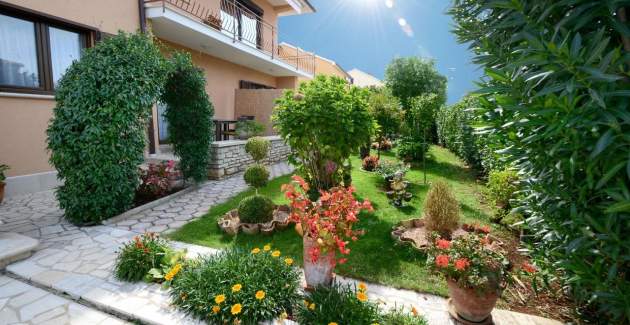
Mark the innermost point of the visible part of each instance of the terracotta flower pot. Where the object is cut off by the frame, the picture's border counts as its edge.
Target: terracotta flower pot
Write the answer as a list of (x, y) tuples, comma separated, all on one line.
[(320, 272), (2, 184), (471, 306)]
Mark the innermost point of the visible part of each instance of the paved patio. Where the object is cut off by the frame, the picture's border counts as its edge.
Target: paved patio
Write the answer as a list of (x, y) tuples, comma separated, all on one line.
[(73, 265)]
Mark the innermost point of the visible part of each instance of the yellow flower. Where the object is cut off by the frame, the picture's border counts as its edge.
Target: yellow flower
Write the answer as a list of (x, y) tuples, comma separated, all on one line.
[(362, 296), (219, 299), (237, 287), (275, 254), (289, 261), (171, 274), (236, 309), (284, 315), (260, 295), (362, 286), (267, 248), (332, 323), (306, 303), (256, 250), (216, 309), (311, 306)]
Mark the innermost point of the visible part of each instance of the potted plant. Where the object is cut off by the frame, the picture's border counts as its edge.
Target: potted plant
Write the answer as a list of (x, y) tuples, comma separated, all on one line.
[(3, 168), (476, 273), (326, 226)]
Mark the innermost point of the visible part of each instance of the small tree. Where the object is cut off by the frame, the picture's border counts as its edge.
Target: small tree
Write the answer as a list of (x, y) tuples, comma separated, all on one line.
[(412, 77), (386, 112), (97, 134), (189, 115), (324, 123)]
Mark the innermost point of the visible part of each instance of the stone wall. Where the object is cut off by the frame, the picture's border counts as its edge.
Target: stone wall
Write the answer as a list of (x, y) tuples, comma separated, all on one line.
[(229, 157)]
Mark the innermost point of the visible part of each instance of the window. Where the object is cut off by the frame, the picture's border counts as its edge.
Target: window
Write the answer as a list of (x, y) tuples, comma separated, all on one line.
[(244, 84), (36, 50)]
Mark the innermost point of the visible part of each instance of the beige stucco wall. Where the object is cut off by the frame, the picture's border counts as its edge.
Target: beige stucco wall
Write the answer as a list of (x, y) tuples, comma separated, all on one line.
[(258, 103)]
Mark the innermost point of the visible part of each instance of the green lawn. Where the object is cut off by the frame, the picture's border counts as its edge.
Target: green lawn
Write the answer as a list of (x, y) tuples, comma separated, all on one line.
[(375, 257)]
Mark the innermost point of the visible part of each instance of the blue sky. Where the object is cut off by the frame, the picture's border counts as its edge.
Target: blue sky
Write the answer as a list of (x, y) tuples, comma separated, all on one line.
[(367, 35)]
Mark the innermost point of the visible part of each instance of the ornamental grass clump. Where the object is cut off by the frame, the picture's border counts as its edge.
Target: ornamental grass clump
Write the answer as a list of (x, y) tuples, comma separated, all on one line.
[(237, 286), (338, 304), (441, 209)]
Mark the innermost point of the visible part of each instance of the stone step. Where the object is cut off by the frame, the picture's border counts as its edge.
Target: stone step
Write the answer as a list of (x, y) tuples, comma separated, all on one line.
[(15, 247)]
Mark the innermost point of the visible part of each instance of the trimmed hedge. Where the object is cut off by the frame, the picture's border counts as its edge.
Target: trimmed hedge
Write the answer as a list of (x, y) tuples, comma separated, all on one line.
[(97, 134)]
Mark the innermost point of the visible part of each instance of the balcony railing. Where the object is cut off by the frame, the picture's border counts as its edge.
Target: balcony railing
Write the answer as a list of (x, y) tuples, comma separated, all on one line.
[(245, 26)]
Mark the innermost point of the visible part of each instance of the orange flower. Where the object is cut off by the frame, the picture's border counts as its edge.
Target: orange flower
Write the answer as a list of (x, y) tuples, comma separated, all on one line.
[(461, 263), (528, 268), (288, 261), (256, 250), (414, 311), (362, 286), (311, 306), (260, 295), (236, 309), (441, 260), (362, 296), (237, 287), (219, 299), (275, 254), (443, 244), (216, 309), (267, 247)]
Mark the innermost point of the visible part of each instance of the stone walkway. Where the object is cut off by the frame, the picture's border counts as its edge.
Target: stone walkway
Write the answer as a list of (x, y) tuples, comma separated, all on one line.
[(77, 263)]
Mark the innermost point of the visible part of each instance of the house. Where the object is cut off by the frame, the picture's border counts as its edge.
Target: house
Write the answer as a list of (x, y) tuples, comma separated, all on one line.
[(235, 42), (364, 79), (322, 65)]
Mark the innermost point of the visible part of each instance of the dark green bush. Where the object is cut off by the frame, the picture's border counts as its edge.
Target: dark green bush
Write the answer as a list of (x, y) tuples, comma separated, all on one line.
[(198, 288), (256, 209), (249, 128), (412, 77), (189, 115), (97, 134), (256, 176), (140, 255), (257, 147), (410, 149), (339, 304), (557, 92), (324, 123)]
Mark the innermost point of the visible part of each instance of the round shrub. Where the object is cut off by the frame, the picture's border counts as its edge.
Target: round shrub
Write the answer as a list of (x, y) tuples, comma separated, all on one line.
[(97, 134), (340, 304), (256, 176), (189, 115), (257, 147), (140, 255), (256, 209), (370, 163), (441, 209), (250, 287)]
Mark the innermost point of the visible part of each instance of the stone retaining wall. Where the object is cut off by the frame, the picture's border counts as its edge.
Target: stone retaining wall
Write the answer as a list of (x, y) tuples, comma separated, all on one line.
[(229, 157)]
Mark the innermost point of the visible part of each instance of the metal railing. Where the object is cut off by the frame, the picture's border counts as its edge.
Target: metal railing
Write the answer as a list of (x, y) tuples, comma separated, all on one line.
[(245, 26)]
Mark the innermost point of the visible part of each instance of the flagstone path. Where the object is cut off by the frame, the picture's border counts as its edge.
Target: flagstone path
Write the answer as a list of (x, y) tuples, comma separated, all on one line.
[(69, 278)]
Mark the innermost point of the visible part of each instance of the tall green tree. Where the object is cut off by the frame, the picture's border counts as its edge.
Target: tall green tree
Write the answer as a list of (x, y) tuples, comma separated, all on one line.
[(557, 92), (386, 112), (412, 77)]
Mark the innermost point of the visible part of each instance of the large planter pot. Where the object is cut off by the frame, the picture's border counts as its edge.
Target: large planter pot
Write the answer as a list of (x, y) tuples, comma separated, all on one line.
[(469, 305), (320, 272), (2, 184)]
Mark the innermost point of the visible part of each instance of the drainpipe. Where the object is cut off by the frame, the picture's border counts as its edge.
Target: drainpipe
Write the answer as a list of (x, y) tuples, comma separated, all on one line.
[(143, 16)]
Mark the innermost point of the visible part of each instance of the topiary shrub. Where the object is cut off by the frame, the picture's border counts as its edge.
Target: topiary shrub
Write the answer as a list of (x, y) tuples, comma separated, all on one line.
[(370, 163), (97, 134), (237, 287), (256, 209), (338, 304), (140, 255), (256, 176), (189, 115), (441, 209), (257, 147)]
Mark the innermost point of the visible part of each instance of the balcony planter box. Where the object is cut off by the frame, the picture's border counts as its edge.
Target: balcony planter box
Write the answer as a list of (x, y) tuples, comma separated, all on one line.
[(213, 22), (470, 307)]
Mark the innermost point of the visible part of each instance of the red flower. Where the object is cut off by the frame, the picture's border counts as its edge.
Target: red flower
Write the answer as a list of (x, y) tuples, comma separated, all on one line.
[(441, 260), (484, 229), (528, 268), (461, 264), (443, 244)]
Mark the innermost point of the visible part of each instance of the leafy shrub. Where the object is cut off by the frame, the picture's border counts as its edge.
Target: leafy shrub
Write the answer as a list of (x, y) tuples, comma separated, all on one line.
[(387, 169), (386, 111), (140, 255), (256, 176), (441, 209), (324, 123), (557, 96), (412, 77), (154, 180), (410, 149), (3, 168), (500, 190), (370, 163), (257, 147), (339, 304), (97, 134), (249, 128), (189, 115), (234, 284), (398, 316), (256, 209)]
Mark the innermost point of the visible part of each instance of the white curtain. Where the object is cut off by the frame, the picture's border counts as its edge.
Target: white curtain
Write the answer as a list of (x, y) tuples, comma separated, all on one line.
[(65, 47), (18, 53)]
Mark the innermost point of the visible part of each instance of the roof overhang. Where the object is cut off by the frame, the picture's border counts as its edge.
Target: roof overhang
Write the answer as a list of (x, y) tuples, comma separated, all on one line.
[(174, 26), (292, 7)]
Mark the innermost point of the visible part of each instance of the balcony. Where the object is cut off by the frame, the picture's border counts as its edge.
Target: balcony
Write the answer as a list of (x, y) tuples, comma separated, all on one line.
[(230, 32)]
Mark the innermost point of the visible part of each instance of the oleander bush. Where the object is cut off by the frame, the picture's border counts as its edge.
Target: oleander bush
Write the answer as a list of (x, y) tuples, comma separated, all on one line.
[(556, 91), (256, 209), (97, 133), (441, 209), (257, 147), (370, 163), (338, 304), (137, 257), (189, 114), (256, 176), (237, 286)]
